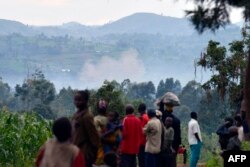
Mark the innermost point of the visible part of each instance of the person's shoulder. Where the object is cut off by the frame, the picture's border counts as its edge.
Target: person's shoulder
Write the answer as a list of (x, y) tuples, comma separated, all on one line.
[(88, 114), (193, 122), (145, 117), (158, 121)]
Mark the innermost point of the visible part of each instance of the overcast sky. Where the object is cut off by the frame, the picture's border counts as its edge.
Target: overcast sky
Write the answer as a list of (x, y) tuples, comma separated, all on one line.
[(90, 12)]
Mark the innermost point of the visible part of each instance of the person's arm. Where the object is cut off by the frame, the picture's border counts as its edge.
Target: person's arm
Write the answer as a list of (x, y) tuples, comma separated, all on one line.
[(91, 131), (146, 129), (195, 132), (39, 157), (150, 129), (79, 160), (124, 129), (197, 137)]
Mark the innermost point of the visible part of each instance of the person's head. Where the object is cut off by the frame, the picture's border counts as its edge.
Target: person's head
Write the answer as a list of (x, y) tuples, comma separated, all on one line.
[(169, 121), (233, 131), (81, 99), (129, 109), (62, 129), (151, 113), (142, 108), (102, 107), (229, 122), (168, 107), (110, 159), (113, 116), (193, 115), (238, 120)]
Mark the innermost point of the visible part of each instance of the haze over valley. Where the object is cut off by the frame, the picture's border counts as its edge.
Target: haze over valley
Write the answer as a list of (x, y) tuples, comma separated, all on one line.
[(141, 47)]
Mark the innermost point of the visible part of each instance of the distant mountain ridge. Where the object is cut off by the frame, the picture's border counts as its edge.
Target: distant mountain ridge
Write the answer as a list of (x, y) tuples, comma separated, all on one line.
[(147, 23), (164, 46)]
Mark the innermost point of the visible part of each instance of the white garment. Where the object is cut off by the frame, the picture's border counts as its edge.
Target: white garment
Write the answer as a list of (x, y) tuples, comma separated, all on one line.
[(193, 127), (153, 130), (241, 133)]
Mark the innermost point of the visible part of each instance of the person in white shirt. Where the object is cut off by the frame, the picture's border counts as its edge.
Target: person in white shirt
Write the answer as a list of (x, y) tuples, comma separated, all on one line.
[(194, 139)]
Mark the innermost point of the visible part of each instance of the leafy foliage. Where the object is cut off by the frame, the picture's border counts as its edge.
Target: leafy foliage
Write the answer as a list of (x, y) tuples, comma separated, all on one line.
[(5, 94), (63, 104), (112, 93), (37, 93), (168, 86), (21, 137), (228, 67), (213, 14)]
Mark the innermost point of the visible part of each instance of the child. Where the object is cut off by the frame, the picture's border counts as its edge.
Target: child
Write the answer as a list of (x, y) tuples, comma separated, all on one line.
[(167, 151), (101, 122), (59, 151), (112, 137)]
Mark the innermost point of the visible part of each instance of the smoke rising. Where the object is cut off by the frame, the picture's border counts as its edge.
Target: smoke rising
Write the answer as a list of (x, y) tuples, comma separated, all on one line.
[(127, 65)]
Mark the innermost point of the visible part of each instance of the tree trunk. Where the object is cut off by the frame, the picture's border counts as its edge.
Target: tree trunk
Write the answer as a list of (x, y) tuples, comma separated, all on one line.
[(247, 91)]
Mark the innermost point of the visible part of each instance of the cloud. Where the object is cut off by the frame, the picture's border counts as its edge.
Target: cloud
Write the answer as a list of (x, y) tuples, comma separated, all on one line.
[(128, 65)]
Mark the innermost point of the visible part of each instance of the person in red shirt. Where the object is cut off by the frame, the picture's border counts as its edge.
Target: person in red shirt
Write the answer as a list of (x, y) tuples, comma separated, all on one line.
[(59, 151), (131, 138), (144, 120)]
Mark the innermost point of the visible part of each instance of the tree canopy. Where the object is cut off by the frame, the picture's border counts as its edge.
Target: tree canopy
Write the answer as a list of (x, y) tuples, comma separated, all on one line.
[(213, 14)]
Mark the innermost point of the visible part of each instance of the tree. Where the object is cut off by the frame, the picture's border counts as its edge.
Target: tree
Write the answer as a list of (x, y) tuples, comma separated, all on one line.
[(213, 14), (168, 86), (63, 105), (145, 91), (160, 89), (37, 93), (112, 93), (191, 95), (228, 69), (5, 94), (216, 15)]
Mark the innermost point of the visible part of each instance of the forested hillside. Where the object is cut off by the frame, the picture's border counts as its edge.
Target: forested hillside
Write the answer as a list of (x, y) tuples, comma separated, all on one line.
[(155, 44)]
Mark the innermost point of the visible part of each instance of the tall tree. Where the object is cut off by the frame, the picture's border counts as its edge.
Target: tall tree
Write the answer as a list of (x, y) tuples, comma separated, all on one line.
[(228, 68), (160, 89), (213, 14), (5, 94), (63, 104), (112, 93), (216, 15), (168, 86), (37, 93)]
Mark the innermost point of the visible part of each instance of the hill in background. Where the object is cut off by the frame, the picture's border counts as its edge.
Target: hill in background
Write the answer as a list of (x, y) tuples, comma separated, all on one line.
[(141, 47)]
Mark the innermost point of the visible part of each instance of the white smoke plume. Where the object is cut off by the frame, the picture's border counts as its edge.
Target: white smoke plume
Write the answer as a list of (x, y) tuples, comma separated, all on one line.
[(127, 65)]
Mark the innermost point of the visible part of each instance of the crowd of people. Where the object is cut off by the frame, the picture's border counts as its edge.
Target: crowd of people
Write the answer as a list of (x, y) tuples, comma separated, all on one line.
[(233, 132), (152, 139)]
